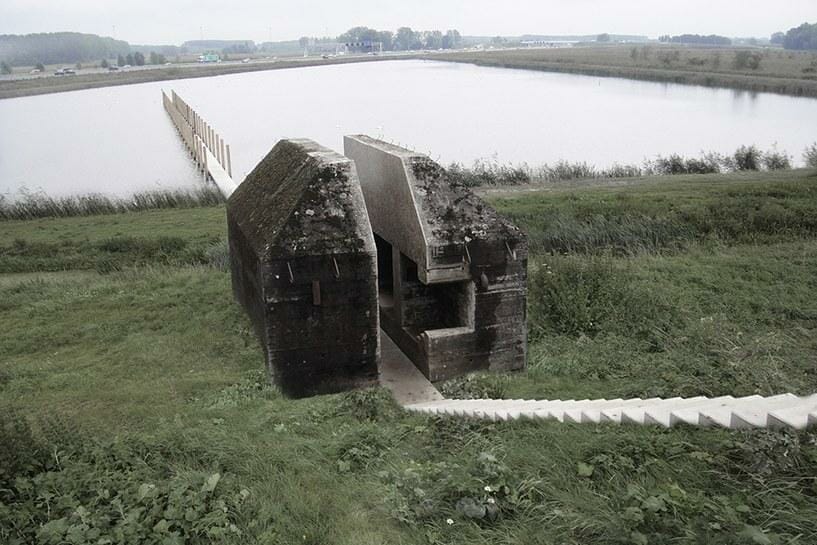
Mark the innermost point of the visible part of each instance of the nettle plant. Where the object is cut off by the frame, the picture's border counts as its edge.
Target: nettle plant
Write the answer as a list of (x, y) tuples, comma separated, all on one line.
[(67, 488)]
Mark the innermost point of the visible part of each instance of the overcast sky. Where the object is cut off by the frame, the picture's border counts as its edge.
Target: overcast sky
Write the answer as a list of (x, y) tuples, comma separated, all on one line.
[(174, 21)]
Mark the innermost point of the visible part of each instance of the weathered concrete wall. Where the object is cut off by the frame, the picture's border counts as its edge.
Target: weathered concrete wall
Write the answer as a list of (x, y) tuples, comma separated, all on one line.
[(304, 266), (459, 280)]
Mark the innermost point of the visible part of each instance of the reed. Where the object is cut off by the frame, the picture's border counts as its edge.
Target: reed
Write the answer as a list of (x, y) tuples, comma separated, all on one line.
[(38, 205), (746, 158)]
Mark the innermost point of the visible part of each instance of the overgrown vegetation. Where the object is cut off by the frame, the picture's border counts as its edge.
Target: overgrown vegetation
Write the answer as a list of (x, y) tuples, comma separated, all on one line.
[(810, 156), (62, 486), (702, 286), (784, 72), (746, 158), (36, 205)]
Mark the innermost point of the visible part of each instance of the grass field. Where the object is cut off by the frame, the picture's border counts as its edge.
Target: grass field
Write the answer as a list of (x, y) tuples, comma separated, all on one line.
[(777, 71), (133, 405)]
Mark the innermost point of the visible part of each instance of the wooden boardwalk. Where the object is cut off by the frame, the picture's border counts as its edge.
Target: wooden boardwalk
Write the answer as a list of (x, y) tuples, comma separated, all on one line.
[(207, 148)]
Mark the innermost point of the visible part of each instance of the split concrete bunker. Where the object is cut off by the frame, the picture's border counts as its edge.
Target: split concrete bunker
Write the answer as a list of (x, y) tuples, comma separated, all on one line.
[(326, 249)]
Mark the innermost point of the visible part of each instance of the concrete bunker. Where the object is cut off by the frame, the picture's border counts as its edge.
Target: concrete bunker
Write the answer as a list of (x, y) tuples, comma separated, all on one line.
[(304, 267), (452, 272)]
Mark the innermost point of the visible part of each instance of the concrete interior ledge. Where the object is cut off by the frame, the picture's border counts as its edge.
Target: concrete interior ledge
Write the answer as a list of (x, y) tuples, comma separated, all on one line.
[(452, 272), (304, 267)]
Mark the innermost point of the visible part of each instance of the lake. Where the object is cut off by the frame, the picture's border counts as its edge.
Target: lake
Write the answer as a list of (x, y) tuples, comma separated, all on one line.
[(119, 140)]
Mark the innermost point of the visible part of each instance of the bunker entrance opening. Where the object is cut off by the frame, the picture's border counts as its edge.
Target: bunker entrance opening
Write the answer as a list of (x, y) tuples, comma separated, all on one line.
[(385, 272)]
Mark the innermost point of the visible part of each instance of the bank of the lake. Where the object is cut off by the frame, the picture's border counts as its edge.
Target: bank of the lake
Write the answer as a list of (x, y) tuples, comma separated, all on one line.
[(14, 88), (792, 73), (782, 72)]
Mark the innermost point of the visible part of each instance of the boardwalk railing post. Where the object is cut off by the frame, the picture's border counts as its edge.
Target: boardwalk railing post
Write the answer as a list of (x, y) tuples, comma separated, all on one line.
[(229, 162)]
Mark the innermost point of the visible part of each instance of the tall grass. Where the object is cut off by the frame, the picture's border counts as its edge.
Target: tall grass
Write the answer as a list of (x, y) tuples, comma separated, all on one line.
[(746, 158), (38, 205)]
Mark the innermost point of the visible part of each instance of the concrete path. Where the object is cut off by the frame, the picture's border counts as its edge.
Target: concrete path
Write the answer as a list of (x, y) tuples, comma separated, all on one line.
[(397, 373)]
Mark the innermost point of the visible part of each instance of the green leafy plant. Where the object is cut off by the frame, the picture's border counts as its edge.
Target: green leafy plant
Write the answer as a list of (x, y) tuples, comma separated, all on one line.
[(67, 488)]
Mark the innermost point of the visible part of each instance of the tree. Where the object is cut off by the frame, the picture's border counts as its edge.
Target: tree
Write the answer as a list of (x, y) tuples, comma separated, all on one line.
[(157, 58), (604, 38), (39, 66), (78, 66), (498, 40), (138, 59), (803, 37), (777, 38), (712, 39), (64, 48), (120, 60), (304, 42), (405, 38), (129, 59), (452, 39), (5, 68), (104, 63), (386, 37), (434, 39)]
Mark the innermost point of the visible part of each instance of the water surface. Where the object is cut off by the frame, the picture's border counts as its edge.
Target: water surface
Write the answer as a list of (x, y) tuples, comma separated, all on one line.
[(118, 140)]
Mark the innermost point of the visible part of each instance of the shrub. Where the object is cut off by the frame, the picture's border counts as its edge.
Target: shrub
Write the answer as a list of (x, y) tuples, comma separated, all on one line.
[(747, 158), (810, 156), (775, 160), (747, 59), (488, 173)]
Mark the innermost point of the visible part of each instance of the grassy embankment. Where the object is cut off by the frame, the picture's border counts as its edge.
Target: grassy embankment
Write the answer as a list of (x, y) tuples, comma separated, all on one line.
[(779, 71), (149, 415)]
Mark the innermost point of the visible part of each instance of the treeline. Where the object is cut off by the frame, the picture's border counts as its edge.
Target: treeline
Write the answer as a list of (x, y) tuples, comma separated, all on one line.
[(803, 37), (58, 48), (697, 39), (404, 39)]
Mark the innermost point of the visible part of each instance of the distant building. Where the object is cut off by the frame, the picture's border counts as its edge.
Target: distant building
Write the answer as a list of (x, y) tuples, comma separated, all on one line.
[(364, 46), (548, 43)]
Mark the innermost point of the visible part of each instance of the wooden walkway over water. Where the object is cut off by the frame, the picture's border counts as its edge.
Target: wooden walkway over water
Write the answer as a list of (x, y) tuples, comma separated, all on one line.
[(208, 149)]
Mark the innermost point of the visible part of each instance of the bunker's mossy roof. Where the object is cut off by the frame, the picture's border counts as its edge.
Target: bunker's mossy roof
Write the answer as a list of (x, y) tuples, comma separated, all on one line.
[(302, 199)]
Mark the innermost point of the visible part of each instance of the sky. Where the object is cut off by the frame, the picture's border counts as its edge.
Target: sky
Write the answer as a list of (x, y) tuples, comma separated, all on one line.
[(175, 21)]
